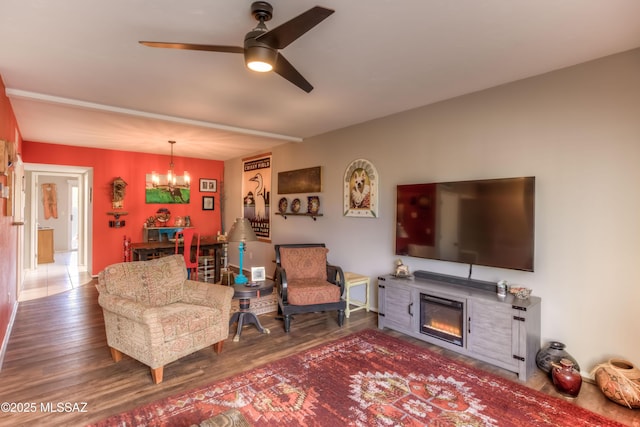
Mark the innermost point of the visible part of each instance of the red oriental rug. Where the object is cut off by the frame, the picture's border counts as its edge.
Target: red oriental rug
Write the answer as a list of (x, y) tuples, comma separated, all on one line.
[(366, 379)]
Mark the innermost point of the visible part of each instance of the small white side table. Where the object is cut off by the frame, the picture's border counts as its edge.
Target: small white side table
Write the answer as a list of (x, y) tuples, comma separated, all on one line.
[(351, 280)]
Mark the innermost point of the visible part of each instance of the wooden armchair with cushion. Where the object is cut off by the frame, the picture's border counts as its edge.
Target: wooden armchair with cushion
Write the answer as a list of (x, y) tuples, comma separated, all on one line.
[(306, 283), (153, 314)]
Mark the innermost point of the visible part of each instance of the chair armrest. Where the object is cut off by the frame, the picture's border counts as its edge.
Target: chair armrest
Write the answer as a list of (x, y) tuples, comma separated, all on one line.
[(138, 313), (335, 275), (101, 287), (281, 282), (208, 295), (123, 307)]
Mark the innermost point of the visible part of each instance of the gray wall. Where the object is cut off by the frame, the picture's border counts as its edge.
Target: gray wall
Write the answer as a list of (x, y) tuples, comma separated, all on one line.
[(577, 130)]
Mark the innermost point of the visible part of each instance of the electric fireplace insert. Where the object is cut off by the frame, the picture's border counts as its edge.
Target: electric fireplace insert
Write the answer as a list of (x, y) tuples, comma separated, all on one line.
[(442, 318)]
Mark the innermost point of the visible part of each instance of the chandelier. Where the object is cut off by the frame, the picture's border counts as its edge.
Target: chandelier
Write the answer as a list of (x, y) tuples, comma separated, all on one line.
[(173, 181)]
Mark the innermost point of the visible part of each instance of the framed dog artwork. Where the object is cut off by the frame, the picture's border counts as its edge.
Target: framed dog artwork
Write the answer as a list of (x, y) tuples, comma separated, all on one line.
[(361, 189)]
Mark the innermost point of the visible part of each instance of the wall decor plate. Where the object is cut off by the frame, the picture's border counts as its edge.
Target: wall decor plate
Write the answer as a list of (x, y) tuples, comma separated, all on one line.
[(282, 205), (295, 205)]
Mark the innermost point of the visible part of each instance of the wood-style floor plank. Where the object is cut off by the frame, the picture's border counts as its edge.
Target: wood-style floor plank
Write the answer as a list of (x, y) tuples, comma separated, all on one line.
[(57, 352)]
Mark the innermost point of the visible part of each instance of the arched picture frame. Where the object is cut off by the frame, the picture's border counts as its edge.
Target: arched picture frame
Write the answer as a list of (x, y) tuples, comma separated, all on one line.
[(361, 189)]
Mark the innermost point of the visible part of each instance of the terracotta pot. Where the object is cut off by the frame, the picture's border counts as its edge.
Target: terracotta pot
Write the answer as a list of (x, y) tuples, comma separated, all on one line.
[(619, 380), (565, 377)]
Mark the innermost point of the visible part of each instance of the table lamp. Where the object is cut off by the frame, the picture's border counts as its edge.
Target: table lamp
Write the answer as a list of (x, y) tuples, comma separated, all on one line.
[(241, 231)]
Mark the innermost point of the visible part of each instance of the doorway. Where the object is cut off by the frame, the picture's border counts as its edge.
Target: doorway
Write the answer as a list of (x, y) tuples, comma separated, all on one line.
[(75, 212)]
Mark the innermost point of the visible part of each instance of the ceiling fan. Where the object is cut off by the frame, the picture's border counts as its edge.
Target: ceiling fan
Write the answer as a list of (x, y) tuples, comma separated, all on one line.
[(261, 45)]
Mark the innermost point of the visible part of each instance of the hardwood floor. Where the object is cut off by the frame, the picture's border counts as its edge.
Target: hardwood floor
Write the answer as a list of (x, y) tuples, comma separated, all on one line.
[(57, 352)]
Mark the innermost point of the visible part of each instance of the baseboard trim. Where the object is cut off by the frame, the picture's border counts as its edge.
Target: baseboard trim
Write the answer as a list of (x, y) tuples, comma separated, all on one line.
[(5, 341)]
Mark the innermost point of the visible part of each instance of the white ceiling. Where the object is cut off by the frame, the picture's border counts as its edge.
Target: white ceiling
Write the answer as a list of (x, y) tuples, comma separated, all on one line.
[(76, 75)]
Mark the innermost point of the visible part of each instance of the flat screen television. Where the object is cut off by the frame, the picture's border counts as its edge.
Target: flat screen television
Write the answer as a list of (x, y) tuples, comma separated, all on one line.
[(485, 222)]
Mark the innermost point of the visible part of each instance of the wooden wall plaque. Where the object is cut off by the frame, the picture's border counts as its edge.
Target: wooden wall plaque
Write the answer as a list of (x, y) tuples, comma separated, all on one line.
[(307, 180)]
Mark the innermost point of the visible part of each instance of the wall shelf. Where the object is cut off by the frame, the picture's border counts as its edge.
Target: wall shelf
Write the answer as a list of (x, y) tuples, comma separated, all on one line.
[(155, 234), (285, 215)]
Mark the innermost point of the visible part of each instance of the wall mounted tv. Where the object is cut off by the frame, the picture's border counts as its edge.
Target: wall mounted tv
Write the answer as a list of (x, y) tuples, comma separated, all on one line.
[(486, 222)]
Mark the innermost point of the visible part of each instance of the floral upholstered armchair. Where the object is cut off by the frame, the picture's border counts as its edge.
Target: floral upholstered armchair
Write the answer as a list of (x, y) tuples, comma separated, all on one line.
[(153, 314), (306, 283)]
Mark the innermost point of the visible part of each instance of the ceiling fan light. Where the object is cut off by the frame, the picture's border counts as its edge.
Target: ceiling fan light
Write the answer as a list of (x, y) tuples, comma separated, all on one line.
[(260, 58), (260, 66)]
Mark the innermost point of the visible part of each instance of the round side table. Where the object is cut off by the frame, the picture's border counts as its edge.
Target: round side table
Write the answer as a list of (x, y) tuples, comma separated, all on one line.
[(244, 293)]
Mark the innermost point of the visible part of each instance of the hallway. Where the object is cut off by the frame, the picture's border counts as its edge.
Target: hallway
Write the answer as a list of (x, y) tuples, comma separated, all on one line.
[(51, 279)]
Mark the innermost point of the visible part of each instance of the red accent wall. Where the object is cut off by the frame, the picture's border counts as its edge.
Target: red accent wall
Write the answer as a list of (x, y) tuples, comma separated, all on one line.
[(133, 168), (8, 231)]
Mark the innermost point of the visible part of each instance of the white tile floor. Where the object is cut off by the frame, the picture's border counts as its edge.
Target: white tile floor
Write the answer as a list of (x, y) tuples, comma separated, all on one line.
[(50, 279)]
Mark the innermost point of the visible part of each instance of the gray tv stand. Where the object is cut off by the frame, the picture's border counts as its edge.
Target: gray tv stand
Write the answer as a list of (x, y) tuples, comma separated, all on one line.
[(502, 331)]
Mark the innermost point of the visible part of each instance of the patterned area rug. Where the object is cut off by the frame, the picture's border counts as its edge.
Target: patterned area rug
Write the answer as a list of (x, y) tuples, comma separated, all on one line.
[(365, 379)]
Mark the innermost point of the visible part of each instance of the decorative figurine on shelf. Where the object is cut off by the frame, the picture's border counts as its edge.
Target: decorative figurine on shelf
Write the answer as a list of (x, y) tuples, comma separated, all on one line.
[(117, 222), (150, 222), (401, 269), (520, 292), (501, 288), (119, 191)]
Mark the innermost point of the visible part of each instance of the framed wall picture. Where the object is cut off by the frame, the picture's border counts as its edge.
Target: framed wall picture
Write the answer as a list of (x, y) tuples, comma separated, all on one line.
[(361, 189), (257, 274), (161, 193), (208, 185), (208, 203)]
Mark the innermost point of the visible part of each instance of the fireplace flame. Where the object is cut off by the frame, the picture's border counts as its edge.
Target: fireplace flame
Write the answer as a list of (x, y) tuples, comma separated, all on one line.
[(445, 327)]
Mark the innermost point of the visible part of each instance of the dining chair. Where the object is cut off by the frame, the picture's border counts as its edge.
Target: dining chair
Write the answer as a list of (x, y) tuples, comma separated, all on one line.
[(187, 237)]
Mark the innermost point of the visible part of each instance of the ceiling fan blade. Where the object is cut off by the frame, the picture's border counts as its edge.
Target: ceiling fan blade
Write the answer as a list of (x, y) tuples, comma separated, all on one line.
[(281, 36), (286, 70), (191, 46)]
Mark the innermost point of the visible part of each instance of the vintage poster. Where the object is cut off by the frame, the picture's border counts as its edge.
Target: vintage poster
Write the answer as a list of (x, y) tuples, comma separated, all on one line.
[(256, 194)]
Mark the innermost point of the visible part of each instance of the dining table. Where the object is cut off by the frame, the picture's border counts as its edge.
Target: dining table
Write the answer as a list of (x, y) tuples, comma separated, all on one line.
[(209, 247)]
